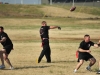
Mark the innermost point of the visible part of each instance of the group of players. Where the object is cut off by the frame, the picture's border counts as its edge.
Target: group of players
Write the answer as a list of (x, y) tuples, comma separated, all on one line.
[(84, 48)]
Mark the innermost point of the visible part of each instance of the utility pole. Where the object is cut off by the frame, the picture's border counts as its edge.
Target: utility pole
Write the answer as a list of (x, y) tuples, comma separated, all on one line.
[(15, 1), (93, 3), (50, 2), (73, 3), (21, 1), (38, 1)]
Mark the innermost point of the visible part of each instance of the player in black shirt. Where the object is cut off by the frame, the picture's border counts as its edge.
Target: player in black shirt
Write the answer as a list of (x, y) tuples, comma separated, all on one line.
[(44, 33), (7, 47), (84, 53)]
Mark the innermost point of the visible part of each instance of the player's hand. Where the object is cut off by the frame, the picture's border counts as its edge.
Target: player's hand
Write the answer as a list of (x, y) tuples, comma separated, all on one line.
[(59, 28), (99, 42), (88, 51)]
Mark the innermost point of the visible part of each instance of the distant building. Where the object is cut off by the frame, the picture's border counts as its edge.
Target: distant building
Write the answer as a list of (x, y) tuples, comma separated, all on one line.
[(25, 1)]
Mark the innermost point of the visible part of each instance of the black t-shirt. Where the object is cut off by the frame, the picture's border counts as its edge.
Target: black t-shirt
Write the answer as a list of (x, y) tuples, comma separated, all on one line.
[(86, 45), (44, 33), (7, 42)]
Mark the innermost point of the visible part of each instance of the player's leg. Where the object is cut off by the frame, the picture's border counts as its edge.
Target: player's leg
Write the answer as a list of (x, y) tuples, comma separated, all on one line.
[(5, 56), (48, 51), (98, 72), (7, 50), (41, 55), (42, 52), (48, 55), (2, 60), (92, 62), (99, 64), (79, 65)]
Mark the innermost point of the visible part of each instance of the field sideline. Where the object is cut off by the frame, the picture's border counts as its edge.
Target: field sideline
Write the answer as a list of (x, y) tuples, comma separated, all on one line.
[(24, 33)]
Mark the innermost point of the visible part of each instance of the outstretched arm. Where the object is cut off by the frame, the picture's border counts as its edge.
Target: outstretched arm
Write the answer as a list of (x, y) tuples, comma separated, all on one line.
[(54, 27), (97, 45)]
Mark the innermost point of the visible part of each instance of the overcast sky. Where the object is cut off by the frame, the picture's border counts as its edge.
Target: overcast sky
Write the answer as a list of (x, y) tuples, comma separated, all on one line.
[(21, 1)]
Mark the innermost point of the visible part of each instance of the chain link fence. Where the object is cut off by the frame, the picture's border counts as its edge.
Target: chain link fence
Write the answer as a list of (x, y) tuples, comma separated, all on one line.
[(94, 3)]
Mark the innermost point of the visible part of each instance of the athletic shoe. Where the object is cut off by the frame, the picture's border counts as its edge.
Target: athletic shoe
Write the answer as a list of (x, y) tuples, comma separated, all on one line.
[(98, 72), (11, 68), (88, 68), (2, 66), (75, 71)]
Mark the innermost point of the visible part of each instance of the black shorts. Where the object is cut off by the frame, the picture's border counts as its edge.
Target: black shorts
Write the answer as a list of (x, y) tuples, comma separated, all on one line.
[(8, 48), (85, 57)]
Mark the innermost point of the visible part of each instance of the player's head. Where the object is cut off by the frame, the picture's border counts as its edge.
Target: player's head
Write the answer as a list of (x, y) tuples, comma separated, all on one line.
[(44, 23), (87, 38), (1, 29)]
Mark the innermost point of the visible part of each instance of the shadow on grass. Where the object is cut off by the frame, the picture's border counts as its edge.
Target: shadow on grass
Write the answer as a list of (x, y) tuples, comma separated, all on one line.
[(63, 61), (27, 67)]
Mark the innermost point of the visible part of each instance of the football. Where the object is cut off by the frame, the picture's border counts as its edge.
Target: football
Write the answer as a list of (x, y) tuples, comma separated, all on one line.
[(73, 8)]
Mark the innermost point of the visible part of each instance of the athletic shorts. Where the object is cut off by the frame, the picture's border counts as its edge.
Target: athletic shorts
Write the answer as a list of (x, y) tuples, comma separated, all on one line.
[(8, 48), (85, 57)]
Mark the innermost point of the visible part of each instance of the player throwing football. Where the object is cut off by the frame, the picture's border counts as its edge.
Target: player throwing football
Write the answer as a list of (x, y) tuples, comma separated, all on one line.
[(44, 33)]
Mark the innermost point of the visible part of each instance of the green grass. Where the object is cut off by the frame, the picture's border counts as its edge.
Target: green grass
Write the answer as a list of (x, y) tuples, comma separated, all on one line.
[(65, 23), (33, 11), (89, 10), (64, 43), (24, 32), (21, 27), (83, 9), (20, 10)]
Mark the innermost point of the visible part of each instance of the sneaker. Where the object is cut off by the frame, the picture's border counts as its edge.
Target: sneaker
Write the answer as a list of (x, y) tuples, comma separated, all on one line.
[(98, 72), (75, 71), (2, 66), (88, 68), (11, 68)]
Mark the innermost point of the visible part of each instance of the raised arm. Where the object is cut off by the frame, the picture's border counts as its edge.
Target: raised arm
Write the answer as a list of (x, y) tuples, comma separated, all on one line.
[(54, 27)]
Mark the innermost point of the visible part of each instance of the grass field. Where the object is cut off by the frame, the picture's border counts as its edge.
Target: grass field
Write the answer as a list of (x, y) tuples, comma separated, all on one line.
[(24, 33)]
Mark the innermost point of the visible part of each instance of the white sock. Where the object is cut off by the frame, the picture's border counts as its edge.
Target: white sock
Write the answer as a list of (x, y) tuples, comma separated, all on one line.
[(75, 70), (99, 68)]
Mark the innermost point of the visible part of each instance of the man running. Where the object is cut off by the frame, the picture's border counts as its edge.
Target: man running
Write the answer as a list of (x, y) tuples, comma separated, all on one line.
[(7, 47), (44, 33), (84, 53)]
